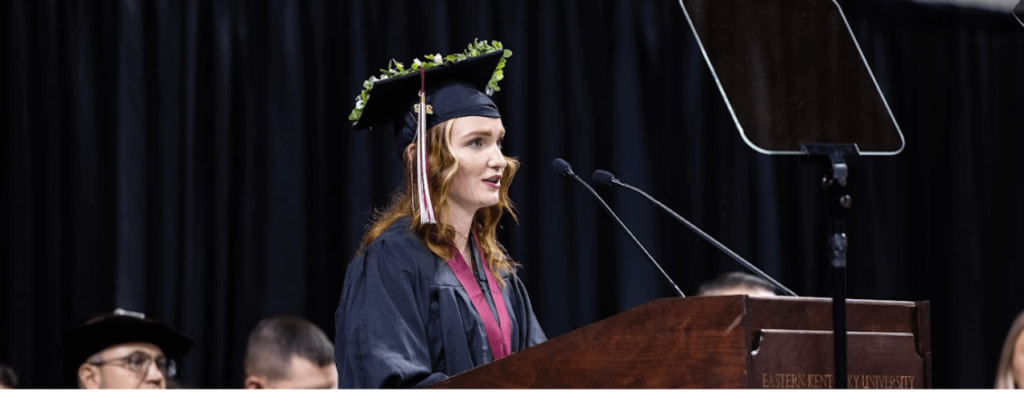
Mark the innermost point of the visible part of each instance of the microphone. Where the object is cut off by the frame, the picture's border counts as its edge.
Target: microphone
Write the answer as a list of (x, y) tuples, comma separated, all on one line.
[(562, 167), (606, 178)]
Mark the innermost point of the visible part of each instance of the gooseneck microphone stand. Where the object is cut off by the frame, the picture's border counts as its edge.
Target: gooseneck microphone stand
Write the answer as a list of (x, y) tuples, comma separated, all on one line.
[(562, 167), (606, 178)]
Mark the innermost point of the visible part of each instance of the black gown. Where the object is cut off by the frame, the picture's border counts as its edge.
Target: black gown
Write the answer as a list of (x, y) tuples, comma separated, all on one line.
[(405, 321)]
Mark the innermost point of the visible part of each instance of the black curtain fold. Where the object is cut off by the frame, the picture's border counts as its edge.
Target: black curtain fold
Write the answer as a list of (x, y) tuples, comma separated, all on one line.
[(193, 160)]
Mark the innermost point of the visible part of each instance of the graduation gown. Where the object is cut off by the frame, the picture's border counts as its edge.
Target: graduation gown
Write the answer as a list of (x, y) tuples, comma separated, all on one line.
[(405, 321)]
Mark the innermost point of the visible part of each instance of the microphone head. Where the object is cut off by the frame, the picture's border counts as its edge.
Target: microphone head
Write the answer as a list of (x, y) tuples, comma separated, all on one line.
[(603, 177), (561, 167)]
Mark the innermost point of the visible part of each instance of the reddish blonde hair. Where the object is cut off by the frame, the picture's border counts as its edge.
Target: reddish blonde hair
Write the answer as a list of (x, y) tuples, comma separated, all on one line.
[(1004, 373), (440, 238)]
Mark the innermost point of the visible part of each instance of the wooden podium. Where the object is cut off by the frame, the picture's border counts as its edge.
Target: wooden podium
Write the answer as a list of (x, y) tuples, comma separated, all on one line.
[(724, 342)]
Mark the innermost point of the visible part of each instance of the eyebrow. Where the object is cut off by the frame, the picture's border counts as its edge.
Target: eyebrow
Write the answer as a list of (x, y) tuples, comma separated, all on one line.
[(487, 133)]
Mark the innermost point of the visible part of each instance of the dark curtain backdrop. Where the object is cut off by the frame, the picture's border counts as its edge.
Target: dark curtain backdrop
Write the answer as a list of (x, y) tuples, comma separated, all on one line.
[(192, 160)]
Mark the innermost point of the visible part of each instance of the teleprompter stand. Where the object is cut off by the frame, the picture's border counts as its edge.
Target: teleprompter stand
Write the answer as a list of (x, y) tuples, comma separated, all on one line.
[(796, 83), (837, 202)]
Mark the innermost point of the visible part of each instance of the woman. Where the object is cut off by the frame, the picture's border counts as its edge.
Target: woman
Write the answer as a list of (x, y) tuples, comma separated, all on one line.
[(1010, 374), (431, 293)]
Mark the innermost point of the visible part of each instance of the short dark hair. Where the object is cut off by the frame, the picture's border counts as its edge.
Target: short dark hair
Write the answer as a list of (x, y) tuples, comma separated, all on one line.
[(8, 378), (276, 339), (735, 279)]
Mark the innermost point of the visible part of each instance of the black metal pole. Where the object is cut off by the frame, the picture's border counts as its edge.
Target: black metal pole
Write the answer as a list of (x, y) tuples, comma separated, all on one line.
[(838, 245), (838, 203)]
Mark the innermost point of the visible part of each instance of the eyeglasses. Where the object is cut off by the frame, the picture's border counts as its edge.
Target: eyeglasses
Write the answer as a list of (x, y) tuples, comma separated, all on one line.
[(139, 362)]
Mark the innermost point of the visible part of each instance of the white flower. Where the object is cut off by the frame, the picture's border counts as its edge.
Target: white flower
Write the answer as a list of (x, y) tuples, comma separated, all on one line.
[(359, 103), (373, 78), (437, 59), (393, 71), (417, 62), (384, 77)]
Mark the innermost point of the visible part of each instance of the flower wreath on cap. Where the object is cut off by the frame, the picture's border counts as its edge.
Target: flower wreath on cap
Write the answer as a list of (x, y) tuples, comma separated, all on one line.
[(397, 69)]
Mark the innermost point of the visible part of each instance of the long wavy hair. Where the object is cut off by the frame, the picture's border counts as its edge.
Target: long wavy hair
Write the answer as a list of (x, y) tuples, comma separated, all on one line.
[(1004, 374), (440, 237)]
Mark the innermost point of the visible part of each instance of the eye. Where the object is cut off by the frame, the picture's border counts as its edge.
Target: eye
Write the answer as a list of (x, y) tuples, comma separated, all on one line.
[(501, 143), (477, 142), (138, 361)]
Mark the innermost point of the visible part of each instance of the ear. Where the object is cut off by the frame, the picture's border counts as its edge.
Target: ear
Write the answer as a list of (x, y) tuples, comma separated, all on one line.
[(89, 376), (255, 382), (410, 153)]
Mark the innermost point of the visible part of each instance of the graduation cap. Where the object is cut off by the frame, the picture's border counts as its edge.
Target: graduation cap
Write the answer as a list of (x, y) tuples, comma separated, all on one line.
[(118, 327), (429, 93)]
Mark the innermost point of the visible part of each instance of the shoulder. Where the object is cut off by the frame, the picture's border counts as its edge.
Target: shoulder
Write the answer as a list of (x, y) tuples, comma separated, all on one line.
[(394, 260), (397, 249), (397, 239)]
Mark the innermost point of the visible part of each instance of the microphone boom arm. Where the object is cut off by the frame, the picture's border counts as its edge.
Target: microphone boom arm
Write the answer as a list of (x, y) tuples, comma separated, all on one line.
[(707, 237), (563, 168)]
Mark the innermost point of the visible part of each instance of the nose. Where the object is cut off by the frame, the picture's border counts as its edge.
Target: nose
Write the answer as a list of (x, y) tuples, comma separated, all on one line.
[(155, 376), (497, 159)]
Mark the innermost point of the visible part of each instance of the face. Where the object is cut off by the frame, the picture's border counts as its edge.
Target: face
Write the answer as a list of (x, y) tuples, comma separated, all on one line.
[(302, 374), (124, 366), (476, 142), (1018, 362)]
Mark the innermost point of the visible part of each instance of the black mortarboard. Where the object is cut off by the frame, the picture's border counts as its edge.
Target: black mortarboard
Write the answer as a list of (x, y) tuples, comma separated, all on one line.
[(118, 327), (454, 90)]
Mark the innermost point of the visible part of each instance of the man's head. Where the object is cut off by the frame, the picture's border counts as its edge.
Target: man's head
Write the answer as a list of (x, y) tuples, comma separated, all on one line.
[(736, 283), (122, 350), (287, 351)]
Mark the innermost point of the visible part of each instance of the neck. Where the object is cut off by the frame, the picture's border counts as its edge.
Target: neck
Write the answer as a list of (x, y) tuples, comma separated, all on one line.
[(462, 220)]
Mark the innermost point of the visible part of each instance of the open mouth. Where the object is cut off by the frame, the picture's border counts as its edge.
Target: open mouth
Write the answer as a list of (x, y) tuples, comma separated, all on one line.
[(494, 181)]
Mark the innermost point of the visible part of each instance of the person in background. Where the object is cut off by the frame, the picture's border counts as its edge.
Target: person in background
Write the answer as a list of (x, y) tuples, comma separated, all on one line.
[(122, 350), (289, 352), (1010, 374), (8, 379), (736, 283)]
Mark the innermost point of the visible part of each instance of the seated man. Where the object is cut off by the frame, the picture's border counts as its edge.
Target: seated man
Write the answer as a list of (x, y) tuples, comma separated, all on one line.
[(736, 283), (122, 350), (287, 351)]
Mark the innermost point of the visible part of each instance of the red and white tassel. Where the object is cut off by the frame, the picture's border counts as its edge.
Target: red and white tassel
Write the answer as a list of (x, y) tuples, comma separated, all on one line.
[(422, 177)]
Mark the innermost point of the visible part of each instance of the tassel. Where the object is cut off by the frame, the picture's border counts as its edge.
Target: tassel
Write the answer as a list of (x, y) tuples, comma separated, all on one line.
[(422, 178)]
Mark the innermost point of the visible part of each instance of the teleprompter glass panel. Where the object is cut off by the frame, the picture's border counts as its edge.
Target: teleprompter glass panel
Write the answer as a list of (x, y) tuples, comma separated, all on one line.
[(791, 74)]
